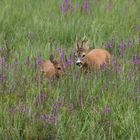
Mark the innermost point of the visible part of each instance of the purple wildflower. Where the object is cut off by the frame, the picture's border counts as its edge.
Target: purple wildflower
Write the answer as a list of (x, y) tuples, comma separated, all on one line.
[(136, 60), (56, 108), (69, 62), (2, 61), (122, 48), (63, 9), (72, 57), (3, 78), (66, 6), (86, 5), (38, 77), (61, 55), (104, 66), (39, 117), (42, 97), (107, 110), (97, 98), (114, 60), (119, 68), (47, 120), (39, 61), (53, 119), (130, 43), (111, 44), (116, 66), (24, 109), (12, 110), (67, 2)]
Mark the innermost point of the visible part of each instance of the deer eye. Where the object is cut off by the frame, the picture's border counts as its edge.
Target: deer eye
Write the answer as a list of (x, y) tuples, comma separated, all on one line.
[(58, 68), (83, 55)]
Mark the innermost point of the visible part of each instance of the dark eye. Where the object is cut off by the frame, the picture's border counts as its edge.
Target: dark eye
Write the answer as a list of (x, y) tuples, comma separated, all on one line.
[(59, 68), (83, 55)]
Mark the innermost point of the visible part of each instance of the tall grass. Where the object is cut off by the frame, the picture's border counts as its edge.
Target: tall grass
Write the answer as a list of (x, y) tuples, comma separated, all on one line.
[(102, 105)]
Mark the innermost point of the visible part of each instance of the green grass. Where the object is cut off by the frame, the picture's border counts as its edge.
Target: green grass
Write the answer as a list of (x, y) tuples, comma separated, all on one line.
[(110, 100)]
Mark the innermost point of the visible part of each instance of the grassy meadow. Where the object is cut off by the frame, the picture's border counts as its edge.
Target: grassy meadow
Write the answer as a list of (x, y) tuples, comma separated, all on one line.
[(102, 105)]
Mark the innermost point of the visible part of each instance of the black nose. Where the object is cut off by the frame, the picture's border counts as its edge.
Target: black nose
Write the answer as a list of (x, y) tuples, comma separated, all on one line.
[(78, 64)]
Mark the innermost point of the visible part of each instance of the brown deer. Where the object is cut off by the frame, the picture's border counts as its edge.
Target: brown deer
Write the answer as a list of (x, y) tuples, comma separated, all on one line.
[(52, 69), (89, 59)]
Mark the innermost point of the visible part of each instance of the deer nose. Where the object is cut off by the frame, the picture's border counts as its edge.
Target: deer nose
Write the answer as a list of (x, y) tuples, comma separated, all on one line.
[(79, 63)]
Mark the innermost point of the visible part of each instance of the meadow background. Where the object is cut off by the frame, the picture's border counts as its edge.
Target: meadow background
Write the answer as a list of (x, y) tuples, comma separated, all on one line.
[(96, 106)]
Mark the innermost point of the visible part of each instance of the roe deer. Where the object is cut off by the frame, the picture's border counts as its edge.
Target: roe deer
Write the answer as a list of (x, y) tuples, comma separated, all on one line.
[(52, 69), (94, 58)]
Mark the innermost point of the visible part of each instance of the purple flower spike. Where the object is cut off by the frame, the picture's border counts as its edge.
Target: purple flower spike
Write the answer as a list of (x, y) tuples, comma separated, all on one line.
[(136, 60), (122, 48), (66, 6), (104, 66), (42, 97), (97, 98), (114, 60), (13, 110), (47, 119), (56, 108), (52, 119), (2, 61), (40, 117), (67, 2), (72, 57), (39, 61), (130, 43), (86, 5), (111, 44), (38, 77), (61, 55), (3, 78), (107, 110)]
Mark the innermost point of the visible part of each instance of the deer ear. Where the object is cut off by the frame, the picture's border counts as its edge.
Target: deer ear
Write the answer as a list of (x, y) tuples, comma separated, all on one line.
[(77, 43), (86, 45), (84, 39), (52, 58)]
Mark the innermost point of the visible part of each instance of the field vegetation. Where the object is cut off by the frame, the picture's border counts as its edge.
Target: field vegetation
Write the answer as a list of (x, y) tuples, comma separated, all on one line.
[(102, 105)]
